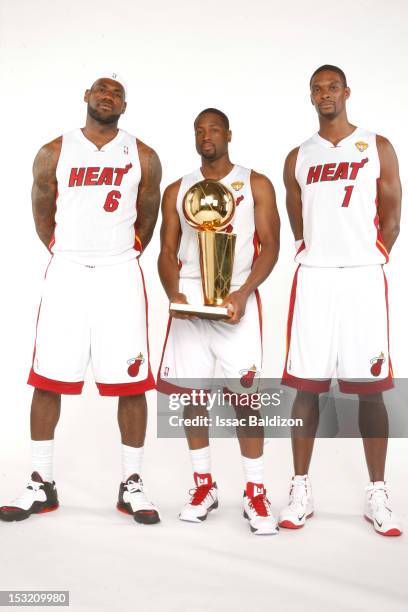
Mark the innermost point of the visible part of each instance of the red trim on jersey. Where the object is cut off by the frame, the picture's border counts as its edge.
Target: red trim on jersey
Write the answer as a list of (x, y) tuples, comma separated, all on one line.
[(138, 244), (257, 247), (38, 317), (122, 389), (164, 386), (259, 305), (301, 248), (164, 348), (52, 241), (290, 315), (365, 388), (379, 241), (58, 386), (390, 371), (303, 384)]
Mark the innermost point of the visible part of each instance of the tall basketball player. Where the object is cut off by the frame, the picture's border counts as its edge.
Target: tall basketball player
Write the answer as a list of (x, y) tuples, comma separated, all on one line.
[(343, 200), (96, 195), (236, 344)]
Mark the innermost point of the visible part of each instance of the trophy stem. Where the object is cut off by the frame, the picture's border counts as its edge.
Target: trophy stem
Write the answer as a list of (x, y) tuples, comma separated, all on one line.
[(216, 262)]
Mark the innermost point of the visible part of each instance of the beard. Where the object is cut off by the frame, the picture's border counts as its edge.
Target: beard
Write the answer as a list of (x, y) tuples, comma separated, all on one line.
[(100, 118), (210, 155), (329, 113)]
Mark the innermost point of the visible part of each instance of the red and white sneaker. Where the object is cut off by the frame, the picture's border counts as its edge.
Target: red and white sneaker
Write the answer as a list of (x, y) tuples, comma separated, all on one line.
[(257, 509), (132, 500), (378, 510), (37, 497), (300, 505), (204, 498)]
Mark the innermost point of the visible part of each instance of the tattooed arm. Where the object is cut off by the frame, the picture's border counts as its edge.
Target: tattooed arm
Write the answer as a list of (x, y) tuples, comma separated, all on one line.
[(44, 191), (148, 197)]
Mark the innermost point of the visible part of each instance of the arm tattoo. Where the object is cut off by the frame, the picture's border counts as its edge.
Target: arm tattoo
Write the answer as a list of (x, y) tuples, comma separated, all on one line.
[(148, 200)]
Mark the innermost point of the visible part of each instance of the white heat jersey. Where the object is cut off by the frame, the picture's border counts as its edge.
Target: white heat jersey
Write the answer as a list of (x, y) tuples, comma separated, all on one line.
[(243, 225), (96, 203), (339, 201)]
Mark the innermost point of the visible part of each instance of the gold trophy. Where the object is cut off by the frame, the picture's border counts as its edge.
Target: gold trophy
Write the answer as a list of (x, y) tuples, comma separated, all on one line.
[(209, 207)]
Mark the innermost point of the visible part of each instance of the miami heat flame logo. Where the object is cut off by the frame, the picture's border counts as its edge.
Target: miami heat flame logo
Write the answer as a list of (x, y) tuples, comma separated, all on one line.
[(361, 146), (134, 365), (377, 363), (248, 376)]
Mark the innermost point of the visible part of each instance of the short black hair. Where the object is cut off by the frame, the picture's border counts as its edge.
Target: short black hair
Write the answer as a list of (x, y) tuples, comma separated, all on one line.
[(216, 111), (332, 69)]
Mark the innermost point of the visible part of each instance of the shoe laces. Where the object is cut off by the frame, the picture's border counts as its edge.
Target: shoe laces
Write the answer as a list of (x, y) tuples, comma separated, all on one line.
[(31, 487), (298, 495), (198, 494), (261, 505), (378, 498), (136, 488)]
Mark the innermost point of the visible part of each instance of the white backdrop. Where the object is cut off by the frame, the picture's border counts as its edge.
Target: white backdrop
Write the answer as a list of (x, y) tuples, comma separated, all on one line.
[(253, 61)]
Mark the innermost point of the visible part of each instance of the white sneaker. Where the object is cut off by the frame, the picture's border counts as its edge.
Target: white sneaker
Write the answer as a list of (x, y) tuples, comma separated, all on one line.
[(257, 509), (378, 510), (133, 500), (300, 505), (38, 497), (204, 498)]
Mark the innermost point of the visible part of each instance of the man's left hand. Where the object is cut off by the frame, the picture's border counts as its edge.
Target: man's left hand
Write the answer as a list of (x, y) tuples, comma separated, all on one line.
[(236, 304)]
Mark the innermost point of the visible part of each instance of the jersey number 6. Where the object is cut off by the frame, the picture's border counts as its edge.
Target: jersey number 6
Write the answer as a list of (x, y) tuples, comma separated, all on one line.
[(112, 201)]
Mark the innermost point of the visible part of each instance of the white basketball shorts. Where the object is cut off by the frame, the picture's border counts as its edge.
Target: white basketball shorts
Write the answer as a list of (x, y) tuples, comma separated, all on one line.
[(338, 327), (192, 348), (96, 314)]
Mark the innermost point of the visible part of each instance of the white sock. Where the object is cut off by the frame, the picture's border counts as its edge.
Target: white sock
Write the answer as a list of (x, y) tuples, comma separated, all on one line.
[(201, 460), (253, 469), (131, 461), (42, 452), (378, 484)]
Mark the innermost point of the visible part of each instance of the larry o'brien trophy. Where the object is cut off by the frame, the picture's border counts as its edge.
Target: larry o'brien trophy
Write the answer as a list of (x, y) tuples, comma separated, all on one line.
[(209, 207)]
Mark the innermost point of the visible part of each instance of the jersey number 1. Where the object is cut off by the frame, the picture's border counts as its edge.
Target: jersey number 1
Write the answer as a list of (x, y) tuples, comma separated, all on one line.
[(112, 201), (349, 191)]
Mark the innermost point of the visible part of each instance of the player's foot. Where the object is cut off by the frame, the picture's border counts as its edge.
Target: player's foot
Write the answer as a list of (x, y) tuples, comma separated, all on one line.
[(378, 510), (257, 509), (204, 498), (300, 505), (132, 500), (37, 497)]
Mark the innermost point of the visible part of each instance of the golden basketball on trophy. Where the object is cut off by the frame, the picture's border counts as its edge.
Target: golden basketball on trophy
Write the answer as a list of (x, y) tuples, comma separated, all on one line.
[(209, 207)]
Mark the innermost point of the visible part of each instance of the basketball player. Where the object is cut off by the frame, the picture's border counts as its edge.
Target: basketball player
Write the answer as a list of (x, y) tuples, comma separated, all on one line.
[(235, 343), (95, 197), (343, 200)]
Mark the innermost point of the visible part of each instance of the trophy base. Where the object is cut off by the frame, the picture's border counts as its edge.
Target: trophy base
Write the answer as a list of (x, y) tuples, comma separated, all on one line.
[(216, 313)]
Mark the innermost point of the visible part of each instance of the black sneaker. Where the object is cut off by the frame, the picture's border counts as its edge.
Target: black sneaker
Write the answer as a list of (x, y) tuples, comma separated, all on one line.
[(37, 497), (132, 500)]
